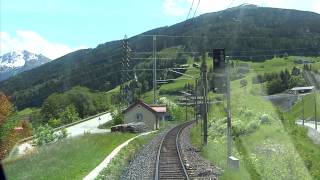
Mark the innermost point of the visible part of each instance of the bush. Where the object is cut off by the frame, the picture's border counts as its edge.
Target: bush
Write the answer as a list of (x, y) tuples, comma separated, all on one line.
[(264, 119), (45, 135), (55, 122), (117, 117), (69, 115), (243, 82)]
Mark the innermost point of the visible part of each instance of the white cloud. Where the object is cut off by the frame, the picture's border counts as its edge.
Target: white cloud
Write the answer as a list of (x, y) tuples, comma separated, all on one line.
[(316, 7), (175, 7), (33, 42)]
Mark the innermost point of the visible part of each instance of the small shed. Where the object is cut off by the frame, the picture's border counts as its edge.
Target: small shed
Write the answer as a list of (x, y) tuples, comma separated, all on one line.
[(151, 115)]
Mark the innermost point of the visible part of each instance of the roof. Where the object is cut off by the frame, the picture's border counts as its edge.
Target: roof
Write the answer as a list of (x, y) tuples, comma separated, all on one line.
[(153, 108), (302, 88), (159, 109)]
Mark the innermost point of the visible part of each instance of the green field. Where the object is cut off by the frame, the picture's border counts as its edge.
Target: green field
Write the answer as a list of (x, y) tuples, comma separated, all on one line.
[(306, 106), (266, 150), (72, 158)]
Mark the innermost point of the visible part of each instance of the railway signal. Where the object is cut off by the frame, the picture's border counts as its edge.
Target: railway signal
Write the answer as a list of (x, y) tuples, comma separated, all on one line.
[(219, 65), (221, 69)]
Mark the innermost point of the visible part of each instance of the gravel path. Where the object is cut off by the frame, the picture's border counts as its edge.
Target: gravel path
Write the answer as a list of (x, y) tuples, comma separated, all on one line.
[(143, 165), (197, 167)]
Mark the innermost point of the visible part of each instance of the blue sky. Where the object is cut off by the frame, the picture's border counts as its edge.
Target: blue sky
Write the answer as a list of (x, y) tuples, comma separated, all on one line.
[(57, 27)]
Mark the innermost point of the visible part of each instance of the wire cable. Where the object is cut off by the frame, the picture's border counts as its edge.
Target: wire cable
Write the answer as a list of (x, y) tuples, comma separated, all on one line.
[(190, 9), (196, 9)]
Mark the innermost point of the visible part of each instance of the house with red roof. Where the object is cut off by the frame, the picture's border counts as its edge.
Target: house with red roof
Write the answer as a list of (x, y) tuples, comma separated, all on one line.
[(151, 115)]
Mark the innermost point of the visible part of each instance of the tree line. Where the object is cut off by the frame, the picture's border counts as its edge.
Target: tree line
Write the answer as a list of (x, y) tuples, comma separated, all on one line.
[(277, 82)]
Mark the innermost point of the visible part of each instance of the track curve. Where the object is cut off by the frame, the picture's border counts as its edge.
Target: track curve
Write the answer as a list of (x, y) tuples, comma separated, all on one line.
[(169, 164)]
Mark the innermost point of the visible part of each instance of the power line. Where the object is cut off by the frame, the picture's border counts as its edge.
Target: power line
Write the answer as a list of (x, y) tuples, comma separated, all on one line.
[(190, 9), (231, 36), (230, 4), (196, 9), (233, 51), (157, 58)]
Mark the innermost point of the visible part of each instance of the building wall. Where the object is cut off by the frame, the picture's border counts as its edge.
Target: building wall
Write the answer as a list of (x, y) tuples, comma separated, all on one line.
[(147, 117)]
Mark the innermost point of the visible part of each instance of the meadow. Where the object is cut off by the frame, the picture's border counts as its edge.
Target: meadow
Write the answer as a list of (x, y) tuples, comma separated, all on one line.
[(71, 158), (263, 140)]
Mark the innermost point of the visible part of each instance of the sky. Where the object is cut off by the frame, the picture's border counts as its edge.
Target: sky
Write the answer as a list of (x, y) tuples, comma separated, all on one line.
[(56, 27)]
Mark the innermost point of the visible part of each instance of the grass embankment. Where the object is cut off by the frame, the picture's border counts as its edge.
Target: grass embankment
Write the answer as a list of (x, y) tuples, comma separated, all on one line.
[(306, 106), (308, 151), (69, 159), (266, 150), (121, 161)]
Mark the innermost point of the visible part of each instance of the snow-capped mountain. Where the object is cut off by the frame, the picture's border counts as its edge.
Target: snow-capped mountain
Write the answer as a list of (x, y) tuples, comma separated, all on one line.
[(18, 61)]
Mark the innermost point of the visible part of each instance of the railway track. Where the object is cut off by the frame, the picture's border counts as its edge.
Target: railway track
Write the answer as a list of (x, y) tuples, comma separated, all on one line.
[(169, 164)]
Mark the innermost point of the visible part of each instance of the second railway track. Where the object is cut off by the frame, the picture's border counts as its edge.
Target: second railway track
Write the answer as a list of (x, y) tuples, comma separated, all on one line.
[(169, 164)]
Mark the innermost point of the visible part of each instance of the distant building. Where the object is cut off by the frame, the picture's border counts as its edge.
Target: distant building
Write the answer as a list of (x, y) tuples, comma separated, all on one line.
[(301, 90), (151, 115)]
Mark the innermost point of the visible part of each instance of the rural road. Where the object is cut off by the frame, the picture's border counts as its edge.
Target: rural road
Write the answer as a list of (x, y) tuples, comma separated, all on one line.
[(310, 124), (312, 132), (89, 126), (284, 101)]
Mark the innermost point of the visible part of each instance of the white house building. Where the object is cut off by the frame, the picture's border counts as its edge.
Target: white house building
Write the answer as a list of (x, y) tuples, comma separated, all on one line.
[(151, 115)]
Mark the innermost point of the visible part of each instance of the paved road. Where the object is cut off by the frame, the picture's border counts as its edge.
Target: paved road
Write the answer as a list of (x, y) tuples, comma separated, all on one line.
[(310, 124), (284, 101), (90, 126), (312, 132)]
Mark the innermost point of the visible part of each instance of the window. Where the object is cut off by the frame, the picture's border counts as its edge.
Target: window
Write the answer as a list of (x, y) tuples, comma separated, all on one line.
[(139, 116)]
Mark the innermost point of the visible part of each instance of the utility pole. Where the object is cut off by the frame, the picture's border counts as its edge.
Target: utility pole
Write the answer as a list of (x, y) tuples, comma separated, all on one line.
[(154, 69), (186, 107), (302, 110), (205, 105), (315, 109), (229, 148), (196, 103)]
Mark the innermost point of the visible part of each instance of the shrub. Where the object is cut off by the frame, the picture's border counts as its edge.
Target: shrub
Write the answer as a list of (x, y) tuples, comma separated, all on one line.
[(45, 135), (55, 122), (264, 119), (117, 117)]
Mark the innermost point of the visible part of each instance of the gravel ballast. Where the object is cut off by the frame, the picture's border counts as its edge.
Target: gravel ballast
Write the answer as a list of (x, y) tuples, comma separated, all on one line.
[(143, 165), (197, 167)]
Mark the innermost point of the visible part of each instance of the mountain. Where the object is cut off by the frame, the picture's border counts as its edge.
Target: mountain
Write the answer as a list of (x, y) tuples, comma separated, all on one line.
[(246, 32), (16, 62)]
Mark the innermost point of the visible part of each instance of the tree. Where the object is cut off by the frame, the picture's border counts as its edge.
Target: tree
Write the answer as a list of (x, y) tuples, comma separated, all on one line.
[(69, 115), (6, 107), (295, 71), (273, 86)]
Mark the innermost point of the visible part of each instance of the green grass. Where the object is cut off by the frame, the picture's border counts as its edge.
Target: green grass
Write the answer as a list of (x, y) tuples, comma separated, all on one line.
[(307, 106), (267, 152), (106, 125), (69, 159), (307, 150), (121, 161)]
